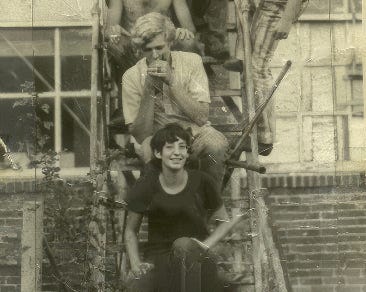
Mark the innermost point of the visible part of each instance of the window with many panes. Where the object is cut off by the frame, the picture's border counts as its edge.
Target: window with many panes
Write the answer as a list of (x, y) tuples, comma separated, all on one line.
[(45, 91)]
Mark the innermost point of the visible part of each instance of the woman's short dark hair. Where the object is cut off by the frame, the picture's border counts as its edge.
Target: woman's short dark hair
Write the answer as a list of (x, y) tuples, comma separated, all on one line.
[(169, 134)]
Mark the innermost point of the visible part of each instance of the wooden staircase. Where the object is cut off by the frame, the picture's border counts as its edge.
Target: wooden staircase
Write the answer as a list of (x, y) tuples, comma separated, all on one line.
[(253, 252)]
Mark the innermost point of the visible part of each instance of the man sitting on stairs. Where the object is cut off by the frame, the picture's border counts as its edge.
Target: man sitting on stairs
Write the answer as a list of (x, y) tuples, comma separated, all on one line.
[(271, 22), (170, 86)]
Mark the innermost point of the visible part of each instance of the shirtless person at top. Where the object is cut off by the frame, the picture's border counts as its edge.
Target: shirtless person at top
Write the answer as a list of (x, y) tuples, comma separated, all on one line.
[(122, 15)]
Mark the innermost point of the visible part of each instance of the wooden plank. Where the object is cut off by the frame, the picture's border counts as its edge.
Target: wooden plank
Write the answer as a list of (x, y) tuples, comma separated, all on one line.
[(252, 177), (57, 99), (307, 139), (227, 92), (236, 195), (269, 244), (97, 225), (325, 17), (231, 16), (234, 109), (32, 234), (47, 24), (343, 152)]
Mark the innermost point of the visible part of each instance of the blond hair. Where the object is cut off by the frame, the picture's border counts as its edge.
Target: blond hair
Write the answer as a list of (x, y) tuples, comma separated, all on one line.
[(149, 26)]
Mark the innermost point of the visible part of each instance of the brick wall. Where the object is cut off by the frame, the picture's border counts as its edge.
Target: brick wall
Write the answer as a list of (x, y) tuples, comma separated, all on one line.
[(319, 224), (322, 235), (13, 193)]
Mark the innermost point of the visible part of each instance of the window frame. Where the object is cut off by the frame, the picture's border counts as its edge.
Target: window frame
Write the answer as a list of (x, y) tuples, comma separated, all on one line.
[(57, 94)]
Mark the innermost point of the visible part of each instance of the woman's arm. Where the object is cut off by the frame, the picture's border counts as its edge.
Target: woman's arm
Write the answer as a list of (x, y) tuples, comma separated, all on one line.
[(194, 250), (132, 228), (221, 230)]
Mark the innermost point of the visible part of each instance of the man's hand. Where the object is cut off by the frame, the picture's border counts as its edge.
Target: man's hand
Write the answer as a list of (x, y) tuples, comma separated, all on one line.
[(183, 34), (162, 70), (139, 270), (115, 32)]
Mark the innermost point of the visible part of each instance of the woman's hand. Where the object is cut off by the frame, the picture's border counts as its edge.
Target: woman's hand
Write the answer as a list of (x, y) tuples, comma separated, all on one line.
[(191, 249), (139, 270)]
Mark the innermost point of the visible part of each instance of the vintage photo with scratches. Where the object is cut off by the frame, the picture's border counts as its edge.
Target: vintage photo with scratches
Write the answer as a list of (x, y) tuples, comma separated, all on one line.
[(182, 146)]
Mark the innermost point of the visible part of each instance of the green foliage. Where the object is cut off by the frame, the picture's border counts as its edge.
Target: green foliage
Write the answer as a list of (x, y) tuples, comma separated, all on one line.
[(34, 122), (67, 214)]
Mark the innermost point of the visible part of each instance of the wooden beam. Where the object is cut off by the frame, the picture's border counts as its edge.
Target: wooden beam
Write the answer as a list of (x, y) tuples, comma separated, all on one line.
[(47, 24), (32, 234), (49, 94), (94, 87), (57, 99), (242, 9), (269, 244), (97, 226)]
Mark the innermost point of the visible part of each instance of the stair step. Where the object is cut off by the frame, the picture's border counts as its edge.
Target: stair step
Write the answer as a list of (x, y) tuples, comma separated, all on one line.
[(228, 92)]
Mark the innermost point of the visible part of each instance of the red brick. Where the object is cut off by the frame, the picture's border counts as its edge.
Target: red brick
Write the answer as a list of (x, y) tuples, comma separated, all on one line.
[(336, 280), (301, 289), (348, 288), (10, 288), (9, 270), (355, 280), (13, 280), (323, 288), (310, 281), (10, 214), (311, 273), (13, 222)]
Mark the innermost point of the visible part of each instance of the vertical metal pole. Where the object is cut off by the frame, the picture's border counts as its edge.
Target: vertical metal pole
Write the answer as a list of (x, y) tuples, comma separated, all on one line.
[(254, 183)]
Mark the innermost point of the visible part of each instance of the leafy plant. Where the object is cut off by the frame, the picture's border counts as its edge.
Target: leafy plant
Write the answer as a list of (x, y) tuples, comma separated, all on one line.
[(34, 122)]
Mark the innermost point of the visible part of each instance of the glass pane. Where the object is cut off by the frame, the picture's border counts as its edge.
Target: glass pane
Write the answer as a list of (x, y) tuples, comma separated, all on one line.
[(326, 6), (75, 58), (26, 42), (26, 126), (75, 140), (358, 5), (26, 55), (15, 74)]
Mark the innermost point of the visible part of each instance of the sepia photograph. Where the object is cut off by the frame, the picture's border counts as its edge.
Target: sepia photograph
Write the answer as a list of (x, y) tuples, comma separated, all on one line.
[(182, 146)]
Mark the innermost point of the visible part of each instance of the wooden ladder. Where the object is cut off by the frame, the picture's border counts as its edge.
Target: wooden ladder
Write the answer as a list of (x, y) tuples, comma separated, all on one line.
[(264, 254)]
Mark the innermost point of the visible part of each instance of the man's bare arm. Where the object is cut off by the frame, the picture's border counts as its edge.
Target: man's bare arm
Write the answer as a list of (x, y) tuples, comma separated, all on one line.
[(141, 128), (184, 15), (115, 9), (113, 28), (196, 110), (193, 108)]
